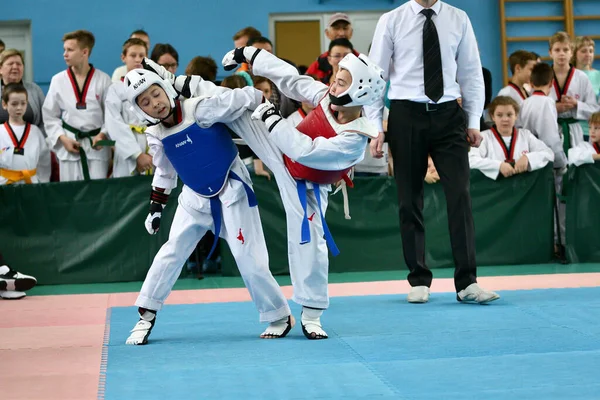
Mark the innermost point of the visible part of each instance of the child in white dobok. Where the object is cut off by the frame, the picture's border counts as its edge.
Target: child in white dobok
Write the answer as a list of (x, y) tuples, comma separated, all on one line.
[(588, 152), (216, 195), (308, 157), (24, 154), (305, 159), (124, 126), (505, 149)]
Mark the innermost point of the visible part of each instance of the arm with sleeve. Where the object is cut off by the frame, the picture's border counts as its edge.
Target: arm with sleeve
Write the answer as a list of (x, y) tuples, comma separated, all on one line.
[(581, 154), (165, 176), (342, 151), (52, 114), (470, 76), (539, 154), (298, 87), (228, 106), (44, 165), (588, 104), (126, 145), (548, 133), (478, 159)]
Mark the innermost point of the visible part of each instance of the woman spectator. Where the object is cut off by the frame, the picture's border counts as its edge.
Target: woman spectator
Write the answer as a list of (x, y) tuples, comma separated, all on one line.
[(583, 59), (164, 54), (11, 71)]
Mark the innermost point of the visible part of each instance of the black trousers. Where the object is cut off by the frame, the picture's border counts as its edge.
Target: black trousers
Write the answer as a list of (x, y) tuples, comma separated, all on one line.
[(414, 133)]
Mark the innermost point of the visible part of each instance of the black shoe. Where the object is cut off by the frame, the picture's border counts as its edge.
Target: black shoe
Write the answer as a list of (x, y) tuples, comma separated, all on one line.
[(15, 281)]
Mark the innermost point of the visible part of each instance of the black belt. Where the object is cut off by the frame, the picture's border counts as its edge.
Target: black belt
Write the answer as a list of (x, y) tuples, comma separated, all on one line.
[(426, 107)]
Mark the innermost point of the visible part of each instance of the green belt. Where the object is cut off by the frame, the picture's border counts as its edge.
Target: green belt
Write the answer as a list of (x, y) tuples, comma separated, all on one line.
[(89, 135), (564, 123)]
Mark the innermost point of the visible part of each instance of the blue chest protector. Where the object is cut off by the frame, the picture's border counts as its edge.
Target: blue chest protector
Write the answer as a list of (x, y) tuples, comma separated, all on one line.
[(202, 158)]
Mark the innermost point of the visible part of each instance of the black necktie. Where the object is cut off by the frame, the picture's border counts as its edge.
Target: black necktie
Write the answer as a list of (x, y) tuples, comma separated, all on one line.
[(432, 59)]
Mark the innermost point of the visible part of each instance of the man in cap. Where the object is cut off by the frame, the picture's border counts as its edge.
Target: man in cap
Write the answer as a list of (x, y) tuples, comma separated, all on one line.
[(339, 26)]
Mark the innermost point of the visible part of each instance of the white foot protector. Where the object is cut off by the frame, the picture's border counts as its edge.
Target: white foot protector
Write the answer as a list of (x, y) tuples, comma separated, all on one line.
[(311, 324), (141, 331), (279, 329)]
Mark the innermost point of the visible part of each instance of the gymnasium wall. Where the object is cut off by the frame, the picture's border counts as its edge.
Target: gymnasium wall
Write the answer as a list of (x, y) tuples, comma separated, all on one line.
[(194, 27), (206, 28)]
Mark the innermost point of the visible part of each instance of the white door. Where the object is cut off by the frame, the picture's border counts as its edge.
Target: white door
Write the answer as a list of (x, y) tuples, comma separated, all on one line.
[(17, 35)]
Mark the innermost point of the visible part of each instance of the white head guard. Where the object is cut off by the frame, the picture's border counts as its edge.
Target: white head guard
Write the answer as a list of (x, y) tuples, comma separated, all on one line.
[(137, 81), (367, 86)]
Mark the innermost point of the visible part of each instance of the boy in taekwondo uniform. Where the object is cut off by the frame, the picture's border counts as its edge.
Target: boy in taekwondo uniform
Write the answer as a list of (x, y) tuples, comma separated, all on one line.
[(305, 159), (588, 152), (539, 115), (505, 149), (74, 113), (124, 126), (572, 91), (24, 154), (521, 64), (216, 196)]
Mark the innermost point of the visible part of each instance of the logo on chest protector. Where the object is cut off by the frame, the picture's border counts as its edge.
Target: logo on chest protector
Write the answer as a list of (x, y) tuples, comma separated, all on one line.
[(184, 142)]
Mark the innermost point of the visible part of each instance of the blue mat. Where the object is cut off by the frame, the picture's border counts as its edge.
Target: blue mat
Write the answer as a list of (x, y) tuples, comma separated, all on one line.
[(539, 344)]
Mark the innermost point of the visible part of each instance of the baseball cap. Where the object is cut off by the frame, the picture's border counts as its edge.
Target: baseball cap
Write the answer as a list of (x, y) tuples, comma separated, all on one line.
[(338, 17)]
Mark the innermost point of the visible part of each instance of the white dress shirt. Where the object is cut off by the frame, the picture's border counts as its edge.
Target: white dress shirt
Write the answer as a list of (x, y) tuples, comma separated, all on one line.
[(398, 48)]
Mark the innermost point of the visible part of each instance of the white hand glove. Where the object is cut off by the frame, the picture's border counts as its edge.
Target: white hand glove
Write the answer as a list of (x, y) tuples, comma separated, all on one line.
[(267, 113), (158, 69), (153, 219), (239, 56), (181, 83)]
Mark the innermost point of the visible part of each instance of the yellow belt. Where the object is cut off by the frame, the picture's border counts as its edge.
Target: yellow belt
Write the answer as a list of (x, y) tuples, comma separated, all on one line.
[(140, 130), (16, 176)]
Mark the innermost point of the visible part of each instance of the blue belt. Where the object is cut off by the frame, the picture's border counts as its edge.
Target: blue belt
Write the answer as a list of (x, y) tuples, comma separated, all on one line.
[(217, 212), (305, 229)]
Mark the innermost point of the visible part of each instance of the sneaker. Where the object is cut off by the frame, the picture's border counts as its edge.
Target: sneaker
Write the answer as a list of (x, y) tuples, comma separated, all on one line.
[(12, 280), (418, 294), (476, 294), (11, 295)]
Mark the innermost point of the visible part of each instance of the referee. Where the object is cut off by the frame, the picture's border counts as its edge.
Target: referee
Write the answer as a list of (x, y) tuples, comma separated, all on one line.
[(430, 56)]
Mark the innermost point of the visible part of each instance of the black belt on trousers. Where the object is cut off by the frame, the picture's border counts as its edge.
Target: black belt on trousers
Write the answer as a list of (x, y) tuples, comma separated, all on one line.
[(426, 107)]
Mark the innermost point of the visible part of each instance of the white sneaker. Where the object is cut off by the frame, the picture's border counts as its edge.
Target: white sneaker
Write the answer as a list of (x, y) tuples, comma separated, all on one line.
[(11, 295), (476, 294), (418, 294)]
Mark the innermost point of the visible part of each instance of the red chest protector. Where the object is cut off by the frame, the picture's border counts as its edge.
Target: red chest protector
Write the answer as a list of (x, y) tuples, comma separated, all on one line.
[(315, 125)]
